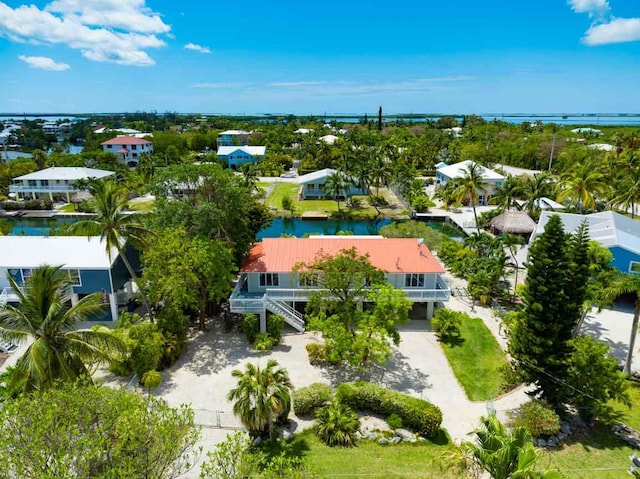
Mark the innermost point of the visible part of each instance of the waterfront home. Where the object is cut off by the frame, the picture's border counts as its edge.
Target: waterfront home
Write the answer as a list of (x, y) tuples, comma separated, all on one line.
[(234, 138), (587, 131), (85, 260), (128, 148), (619, 233), (56, 183), (446, 173), (312, 185), (267, 282), (235, 156)]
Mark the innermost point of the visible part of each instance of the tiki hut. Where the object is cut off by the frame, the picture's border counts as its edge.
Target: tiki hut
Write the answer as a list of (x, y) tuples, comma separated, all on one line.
[(515, 223)]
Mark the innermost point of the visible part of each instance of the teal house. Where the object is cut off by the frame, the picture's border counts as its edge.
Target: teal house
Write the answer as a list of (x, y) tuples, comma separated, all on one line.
[(234, 156)]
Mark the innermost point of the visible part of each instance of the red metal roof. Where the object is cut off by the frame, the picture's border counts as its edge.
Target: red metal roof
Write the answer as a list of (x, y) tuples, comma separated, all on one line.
[(392, 255), (126, 140)]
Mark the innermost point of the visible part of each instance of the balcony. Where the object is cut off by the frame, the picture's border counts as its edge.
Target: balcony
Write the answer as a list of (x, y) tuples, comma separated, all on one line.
[(42, 189), (241, 301)]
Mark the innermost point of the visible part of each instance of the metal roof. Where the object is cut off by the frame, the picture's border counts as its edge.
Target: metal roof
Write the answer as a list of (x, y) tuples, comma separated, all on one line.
[(65, 173), (79, 252), (458, 170), (250, 150), (315, 176)]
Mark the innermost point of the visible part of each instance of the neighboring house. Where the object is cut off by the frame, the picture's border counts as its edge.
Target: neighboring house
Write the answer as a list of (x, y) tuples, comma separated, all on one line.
[(239, 155), (55, 184), (267, 281), (588, 131), (446, 173), (619, 233), (303, 131), (455, 132), (312, 185), (328, 139), (233, 138), (85, 259), (128, 148), (602, 147)]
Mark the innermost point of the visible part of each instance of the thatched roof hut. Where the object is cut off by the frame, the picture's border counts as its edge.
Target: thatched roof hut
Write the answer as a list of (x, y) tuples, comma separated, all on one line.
[(514, 222), (80, 196)]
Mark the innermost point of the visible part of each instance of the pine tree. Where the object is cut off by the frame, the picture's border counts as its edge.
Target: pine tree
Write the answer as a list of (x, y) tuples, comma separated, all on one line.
[(580, 275), (540, 340), (380, 119)]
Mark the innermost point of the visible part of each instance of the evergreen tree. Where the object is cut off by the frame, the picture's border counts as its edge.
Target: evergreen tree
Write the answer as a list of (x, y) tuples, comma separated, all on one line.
[(380, 119), (539, 342)]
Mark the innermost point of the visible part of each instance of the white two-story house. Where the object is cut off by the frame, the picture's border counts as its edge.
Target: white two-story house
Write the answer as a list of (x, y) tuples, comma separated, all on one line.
[(268, 282), (56, 184), (446, 173), (128, 148)]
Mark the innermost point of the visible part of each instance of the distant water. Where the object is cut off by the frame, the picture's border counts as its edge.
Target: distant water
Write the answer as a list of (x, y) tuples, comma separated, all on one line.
[(12, 155), (30, 117)]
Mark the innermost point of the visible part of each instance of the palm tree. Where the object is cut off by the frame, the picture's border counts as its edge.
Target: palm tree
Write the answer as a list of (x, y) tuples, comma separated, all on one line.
[(627, 192), (506, 194), (59, 350), (446, 195), (262, 396), (581, 187), (504, 454), (540, 185), (627, 284), (471, 185), (114, 226), (336, 185)]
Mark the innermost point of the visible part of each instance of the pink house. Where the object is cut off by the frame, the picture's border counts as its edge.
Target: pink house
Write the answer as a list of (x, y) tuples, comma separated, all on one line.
[(128, 148)]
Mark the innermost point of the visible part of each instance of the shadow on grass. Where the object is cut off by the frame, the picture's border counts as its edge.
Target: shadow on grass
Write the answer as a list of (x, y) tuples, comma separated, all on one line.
[(453, 341), (295, 448), (600, 437)]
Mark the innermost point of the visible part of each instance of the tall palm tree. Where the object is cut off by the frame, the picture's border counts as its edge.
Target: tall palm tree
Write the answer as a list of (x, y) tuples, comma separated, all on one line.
[(506, 194), (114, 225), (540, 185), (581, 187), (504, 454), (627, 191), (336, 185), (471, 185), (59, 350), (627, 284), (262, 396)]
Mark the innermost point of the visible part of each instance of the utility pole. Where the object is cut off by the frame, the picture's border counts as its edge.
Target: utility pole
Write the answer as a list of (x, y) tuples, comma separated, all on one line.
[(553, 145)]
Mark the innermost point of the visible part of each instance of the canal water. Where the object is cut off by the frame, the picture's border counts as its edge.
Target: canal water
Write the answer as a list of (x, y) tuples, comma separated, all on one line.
[(280, 226)]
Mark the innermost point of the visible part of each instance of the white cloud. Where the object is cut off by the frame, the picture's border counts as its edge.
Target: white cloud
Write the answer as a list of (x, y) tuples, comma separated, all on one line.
[(294, 84), (197, 48), (44, 63), (616, 31), (117, 31), (592, 7), (219, 85)]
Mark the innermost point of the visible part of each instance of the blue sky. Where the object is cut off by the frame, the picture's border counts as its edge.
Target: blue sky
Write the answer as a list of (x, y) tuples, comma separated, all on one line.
[(310, 58)]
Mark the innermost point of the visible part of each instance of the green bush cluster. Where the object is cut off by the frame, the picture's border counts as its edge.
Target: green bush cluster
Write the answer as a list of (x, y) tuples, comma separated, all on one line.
[(316, 353), (148, 350), (262, 341), (394, 421), (307, 399), (417, 414), (537, 417), (11, 205), (447, 323)]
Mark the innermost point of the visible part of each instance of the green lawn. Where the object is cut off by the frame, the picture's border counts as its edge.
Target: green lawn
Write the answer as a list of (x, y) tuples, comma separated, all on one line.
[(600, 455), (630, 416), (370, 459), (475, 360), (321, 207), (68, 208)]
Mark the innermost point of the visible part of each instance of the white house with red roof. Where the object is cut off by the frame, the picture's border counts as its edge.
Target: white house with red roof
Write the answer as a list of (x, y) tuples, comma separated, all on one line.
[(128, 148), (268, 283)]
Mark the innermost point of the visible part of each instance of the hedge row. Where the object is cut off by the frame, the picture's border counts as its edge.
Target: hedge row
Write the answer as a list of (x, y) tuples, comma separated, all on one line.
[(417, 414), (306, 400)]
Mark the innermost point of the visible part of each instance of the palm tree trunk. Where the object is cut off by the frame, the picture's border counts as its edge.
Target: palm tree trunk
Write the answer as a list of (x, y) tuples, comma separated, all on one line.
[(134, 276), (632, 339), (576, 330), (475, 215)]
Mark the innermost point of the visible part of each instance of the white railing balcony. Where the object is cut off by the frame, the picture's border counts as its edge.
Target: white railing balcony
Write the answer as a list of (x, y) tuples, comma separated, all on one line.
[(42, 189), (246, 305)]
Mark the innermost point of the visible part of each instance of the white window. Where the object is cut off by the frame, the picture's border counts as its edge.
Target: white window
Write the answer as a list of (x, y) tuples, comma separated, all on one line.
[(74, 277), (414, 280), (269, 279), (309, 280), (634, 267)]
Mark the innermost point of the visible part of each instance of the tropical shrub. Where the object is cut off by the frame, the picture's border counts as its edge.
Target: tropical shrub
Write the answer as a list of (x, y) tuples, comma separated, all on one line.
[(422, 203), (146, 348), (250, 326), (275, 323), (394, 421), (316, 353), (264, 342), (307, 399), (416, 414), (447, 324), (287, 203), (336, 424), (537, 417)]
